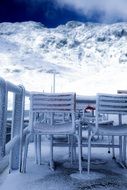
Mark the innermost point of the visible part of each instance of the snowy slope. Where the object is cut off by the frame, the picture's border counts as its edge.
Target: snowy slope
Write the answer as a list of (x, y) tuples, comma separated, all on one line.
[(87, 58)]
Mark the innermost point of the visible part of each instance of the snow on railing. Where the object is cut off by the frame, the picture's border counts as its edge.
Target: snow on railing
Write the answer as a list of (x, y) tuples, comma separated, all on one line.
[(13, 147)]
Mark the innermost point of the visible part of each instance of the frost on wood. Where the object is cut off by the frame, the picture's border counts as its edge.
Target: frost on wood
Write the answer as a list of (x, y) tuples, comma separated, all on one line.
[(16, 126), (3, 115)]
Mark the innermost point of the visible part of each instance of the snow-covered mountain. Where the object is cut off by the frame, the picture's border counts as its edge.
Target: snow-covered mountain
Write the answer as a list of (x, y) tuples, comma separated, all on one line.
[(87, 58)]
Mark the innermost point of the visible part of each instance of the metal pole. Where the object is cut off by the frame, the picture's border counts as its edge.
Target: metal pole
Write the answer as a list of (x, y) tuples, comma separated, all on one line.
[(54, 81)]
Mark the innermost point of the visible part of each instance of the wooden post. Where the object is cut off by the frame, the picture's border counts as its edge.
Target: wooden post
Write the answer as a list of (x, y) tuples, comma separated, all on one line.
[(3, 116), (22, 127), (17, 124)]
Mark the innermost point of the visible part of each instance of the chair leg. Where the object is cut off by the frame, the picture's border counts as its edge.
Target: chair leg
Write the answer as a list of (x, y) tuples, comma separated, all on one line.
[(124, 150), (120, 149), (79, 154), (70, 141), (113, 149), (80, 134), (51, 153), (21, 154), (109, 144), (74, 148), (89, 153), (39, 149), (71, 148), (36, 154), (25, 153)]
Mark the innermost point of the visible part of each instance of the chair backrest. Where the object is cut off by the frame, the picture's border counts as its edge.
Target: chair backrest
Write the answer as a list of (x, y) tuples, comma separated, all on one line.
[(111, 104), (51, 103)]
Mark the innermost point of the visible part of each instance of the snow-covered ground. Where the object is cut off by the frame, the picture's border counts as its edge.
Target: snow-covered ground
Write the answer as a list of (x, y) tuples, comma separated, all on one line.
[(88, 58), (110, 175)]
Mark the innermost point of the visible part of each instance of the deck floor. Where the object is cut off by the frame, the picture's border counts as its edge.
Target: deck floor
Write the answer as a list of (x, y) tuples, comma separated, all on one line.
[(40, 177)]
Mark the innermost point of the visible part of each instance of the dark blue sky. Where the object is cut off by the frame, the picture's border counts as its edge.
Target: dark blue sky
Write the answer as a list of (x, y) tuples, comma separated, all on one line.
[(52, 12)]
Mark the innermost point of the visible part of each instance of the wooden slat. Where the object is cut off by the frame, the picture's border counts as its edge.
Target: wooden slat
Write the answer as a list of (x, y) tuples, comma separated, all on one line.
[(115, 104), (52, 107), (107, 98), (53, 110), (53, 102), (44, 96), (50, 102)]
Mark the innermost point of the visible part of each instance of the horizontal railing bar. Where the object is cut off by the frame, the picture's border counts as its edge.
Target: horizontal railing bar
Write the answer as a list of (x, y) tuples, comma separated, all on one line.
[(16, 89), (85, 99), (13, 88), (15, 139)]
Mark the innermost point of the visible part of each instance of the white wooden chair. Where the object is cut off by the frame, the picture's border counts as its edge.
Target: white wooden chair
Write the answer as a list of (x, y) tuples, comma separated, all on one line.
[(114, 104), (50, 104)]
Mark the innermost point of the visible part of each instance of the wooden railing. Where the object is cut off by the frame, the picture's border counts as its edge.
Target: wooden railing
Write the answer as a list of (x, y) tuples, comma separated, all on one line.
[(11, 152)]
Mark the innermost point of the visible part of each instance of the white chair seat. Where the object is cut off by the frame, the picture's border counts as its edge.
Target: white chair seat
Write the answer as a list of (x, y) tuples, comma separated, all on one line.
[(43, 128), (111, 130)]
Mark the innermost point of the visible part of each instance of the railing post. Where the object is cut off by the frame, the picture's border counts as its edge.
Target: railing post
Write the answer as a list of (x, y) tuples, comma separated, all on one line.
[(17, 124), (21, 128), (3, 116)]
